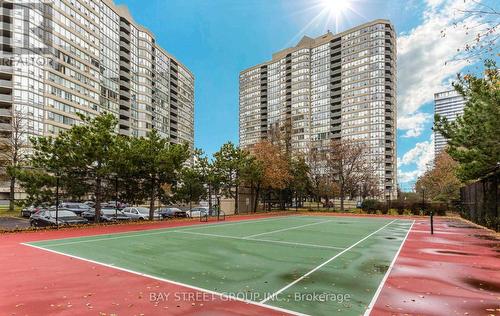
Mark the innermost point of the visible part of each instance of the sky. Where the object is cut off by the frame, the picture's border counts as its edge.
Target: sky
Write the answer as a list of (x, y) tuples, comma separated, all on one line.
[(216, 39)]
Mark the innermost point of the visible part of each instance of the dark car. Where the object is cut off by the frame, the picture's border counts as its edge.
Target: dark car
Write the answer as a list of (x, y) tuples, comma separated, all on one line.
[(46, 218), (107, 215), (77, 208), (30, 210), (170, 212)]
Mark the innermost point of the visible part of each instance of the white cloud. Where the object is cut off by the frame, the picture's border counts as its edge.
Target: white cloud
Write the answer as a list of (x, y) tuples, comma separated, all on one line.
[(413, 124), (405, 177), (422, 155), (424, 55)]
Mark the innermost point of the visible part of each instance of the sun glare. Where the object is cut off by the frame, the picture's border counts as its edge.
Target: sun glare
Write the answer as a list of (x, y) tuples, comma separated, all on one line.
[(336, 6)]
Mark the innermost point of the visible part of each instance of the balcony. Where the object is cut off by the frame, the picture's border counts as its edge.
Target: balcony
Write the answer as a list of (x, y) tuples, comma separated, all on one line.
[(336, 99), (125, 56), (5, 26), (124, 131), (5, 11), (6, 69), (125, 94), (5, 127), (125, 103), (6, 98), (5, 83), (125, 36), (5, 40), (125, 113), (124, 122), (125, 84), (6, 112), (125, 26), (124, 46), (125, 65)]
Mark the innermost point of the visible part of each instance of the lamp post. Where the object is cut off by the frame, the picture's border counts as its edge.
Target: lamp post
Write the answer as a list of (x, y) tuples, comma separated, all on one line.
[(57, 201)]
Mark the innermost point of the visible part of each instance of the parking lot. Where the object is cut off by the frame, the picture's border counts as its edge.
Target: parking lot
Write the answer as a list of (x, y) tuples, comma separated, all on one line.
[(13, 223)]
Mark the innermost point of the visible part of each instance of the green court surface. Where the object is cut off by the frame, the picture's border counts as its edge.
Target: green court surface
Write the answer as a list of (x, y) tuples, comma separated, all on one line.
[(307, 264)]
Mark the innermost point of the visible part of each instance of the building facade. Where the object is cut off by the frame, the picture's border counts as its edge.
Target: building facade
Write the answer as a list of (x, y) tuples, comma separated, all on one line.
[(449, 104), (336, 86), (60, 58)]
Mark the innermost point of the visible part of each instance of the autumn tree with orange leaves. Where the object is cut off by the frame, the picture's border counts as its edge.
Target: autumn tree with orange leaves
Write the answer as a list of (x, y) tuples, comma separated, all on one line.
[(270, 171), (440, 182)]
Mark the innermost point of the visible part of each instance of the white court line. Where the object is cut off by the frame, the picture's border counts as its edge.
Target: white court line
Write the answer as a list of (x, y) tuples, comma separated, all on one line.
[(323, 264), (285, 229), (221, 295), (144, 233), (377, 293), (263, 240)]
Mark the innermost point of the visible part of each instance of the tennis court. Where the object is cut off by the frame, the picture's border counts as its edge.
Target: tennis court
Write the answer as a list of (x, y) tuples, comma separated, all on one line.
[(297, 264)]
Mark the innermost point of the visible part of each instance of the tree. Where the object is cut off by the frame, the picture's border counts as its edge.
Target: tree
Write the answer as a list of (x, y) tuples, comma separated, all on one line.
[(191, 185), (316, 160), (270, 170), (347, 167), (82, 153), (13, 152), (480, 23), (300, 178), (38, 185), (474, 137), (229, 162), (156, 163), (441, 183)]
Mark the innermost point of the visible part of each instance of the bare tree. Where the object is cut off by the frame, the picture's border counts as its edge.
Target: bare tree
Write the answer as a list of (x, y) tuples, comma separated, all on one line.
[(481, 22), (13, 151), (348, 167)]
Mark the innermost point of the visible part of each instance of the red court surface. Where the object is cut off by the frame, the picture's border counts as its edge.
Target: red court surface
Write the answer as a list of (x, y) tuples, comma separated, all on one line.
[(456, 271)]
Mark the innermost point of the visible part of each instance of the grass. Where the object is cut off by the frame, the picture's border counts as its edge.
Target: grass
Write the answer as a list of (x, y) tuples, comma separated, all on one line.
[(279, 261), (5, 212)]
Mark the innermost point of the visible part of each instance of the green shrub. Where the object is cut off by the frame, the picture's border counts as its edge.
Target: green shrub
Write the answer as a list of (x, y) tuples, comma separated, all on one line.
[(357, 211), (407, 212), (371, 206), (392, 212)]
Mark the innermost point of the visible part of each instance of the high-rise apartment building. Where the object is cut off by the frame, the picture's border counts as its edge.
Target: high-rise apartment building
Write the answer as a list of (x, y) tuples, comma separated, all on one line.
[(449, 104), (336, 86), (59, 58)]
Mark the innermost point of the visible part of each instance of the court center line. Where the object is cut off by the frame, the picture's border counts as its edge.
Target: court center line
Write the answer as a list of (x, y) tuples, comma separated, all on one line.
[(140, 234), (272, 296), (225, 297), (263, 240), (381, 285), (285, 229)]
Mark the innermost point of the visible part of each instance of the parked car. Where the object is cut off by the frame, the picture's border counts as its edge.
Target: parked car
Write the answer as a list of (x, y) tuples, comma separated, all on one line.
[(200, 211), (171, 212), (46, 218), (121, 205), (77, 208), (90, 204), (30, 210), (107, 215), (140, 213)]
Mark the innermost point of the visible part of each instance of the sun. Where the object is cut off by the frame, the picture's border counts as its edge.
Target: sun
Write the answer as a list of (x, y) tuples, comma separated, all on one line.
[(336, 6)]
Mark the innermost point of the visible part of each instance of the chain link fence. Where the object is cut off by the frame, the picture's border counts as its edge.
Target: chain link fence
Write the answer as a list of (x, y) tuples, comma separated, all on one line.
[(479, 202)]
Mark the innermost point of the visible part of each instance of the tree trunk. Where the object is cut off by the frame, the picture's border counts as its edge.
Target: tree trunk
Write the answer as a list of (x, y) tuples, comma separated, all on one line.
[(152, 200), (209, 198), (12, 194), (342, 197), (256, 201), (236, 200)]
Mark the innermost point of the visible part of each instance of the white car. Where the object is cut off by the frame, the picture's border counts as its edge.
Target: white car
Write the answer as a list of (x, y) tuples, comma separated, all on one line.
[(139, 213), (199, 211)]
